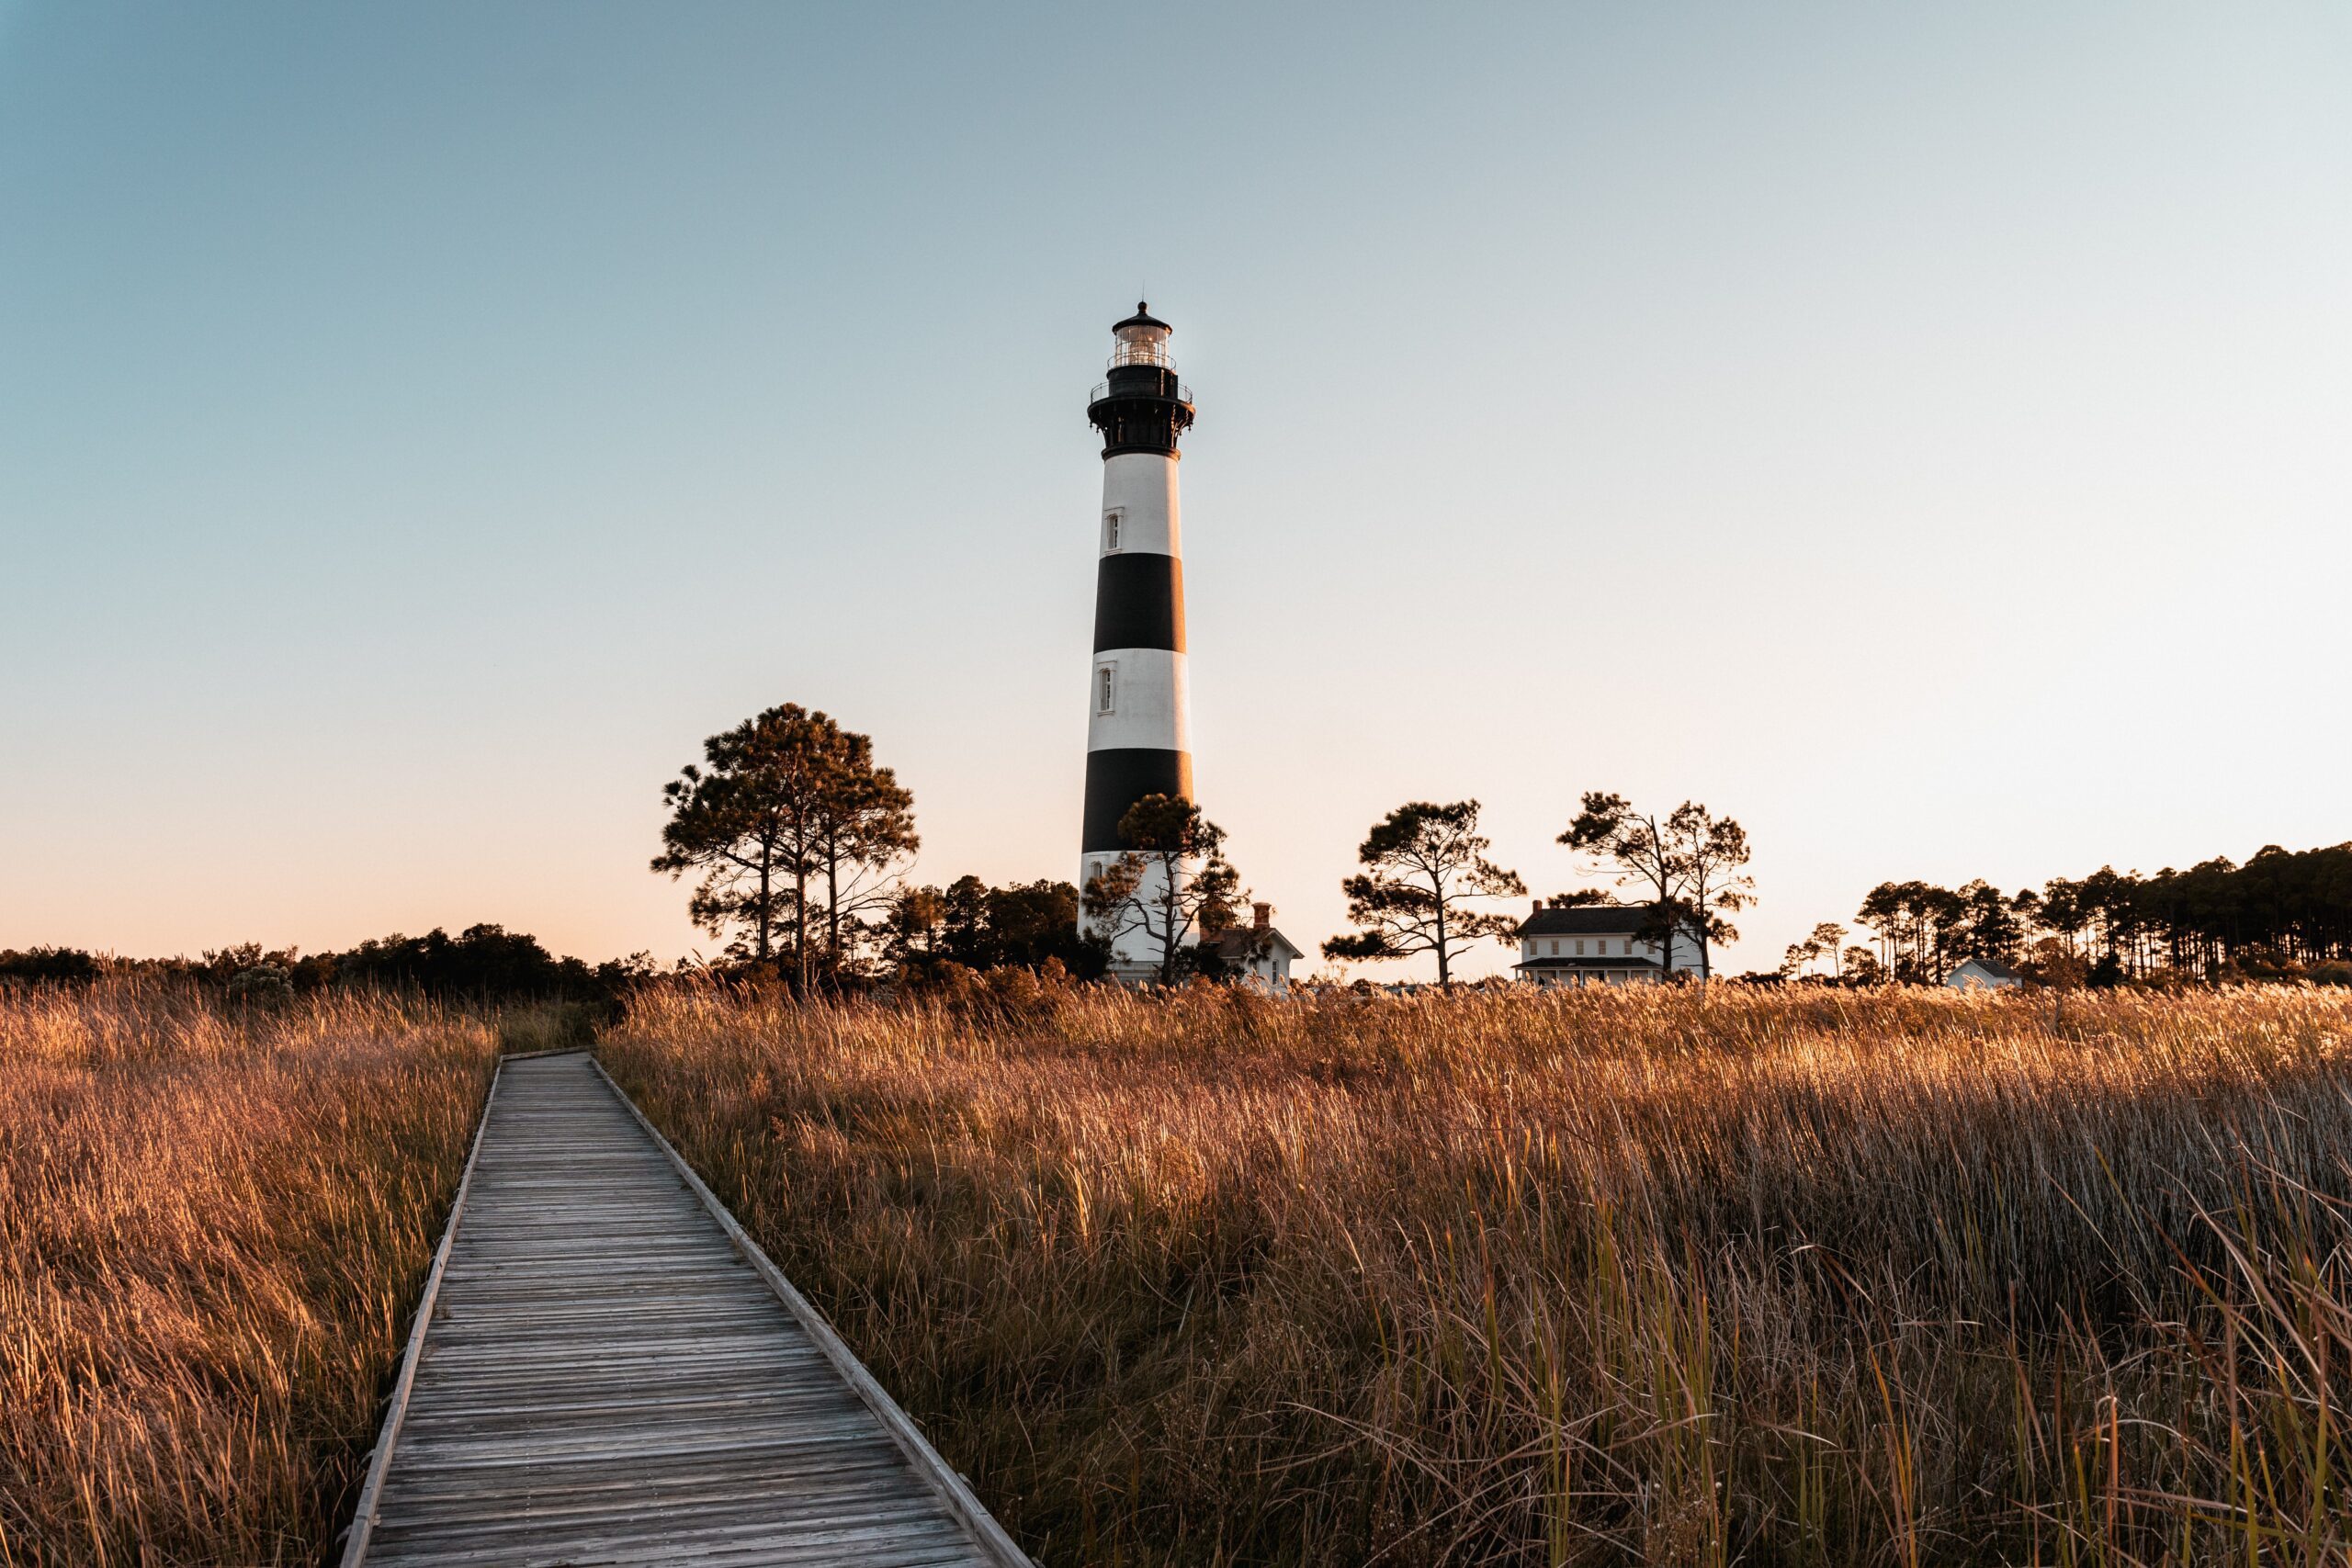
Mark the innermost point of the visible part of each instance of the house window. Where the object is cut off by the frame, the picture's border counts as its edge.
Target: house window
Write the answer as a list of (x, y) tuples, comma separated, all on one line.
[(1555, 949), (1579, 948), (1110, 531), (1106, 687)]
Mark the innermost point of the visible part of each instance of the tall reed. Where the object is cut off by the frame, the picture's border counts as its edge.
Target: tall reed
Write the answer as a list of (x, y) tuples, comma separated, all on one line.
[(212, 1226), (1903, 1278)]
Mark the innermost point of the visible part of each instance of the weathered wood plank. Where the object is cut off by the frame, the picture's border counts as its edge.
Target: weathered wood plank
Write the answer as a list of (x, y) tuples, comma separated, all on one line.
[(608, 1371)]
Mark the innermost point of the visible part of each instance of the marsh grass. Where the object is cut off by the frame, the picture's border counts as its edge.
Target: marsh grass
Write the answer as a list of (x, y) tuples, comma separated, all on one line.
[(1818, 1278), (213, 1221)]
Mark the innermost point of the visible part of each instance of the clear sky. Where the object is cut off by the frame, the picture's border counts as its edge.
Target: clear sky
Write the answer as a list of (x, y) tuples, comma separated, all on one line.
[(1919, 432)]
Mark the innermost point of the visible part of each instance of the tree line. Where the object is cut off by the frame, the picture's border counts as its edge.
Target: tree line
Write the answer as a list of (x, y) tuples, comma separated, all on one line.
[(797, 838), (482, 963), (1426, 867), (2283, 914)]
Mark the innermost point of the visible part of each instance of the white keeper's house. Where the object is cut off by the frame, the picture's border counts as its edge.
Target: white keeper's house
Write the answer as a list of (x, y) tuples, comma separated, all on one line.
[(1598, 944)]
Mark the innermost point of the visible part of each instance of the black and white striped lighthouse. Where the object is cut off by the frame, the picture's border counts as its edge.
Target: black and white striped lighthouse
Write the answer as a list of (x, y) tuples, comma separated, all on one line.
[(1138, 739)]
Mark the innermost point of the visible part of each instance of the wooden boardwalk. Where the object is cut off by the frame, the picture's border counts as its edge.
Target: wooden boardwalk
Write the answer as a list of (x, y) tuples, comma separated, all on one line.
[(604, 1370)]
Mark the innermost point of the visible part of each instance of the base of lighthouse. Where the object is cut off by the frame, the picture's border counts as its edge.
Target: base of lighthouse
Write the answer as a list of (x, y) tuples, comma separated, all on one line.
[(1135, 954)]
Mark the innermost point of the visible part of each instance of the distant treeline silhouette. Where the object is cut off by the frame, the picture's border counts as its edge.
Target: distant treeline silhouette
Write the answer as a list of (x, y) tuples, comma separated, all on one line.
[(923, 936), (2282, 915), (486, 962), (1026, 925)]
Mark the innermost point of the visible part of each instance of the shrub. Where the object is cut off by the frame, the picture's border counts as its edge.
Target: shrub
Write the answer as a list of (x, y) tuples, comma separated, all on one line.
[(36, 966)]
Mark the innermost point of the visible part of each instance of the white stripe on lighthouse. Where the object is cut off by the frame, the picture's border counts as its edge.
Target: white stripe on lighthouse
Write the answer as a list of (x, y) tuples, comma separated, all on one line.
[(1140, 489), (1143, 703)]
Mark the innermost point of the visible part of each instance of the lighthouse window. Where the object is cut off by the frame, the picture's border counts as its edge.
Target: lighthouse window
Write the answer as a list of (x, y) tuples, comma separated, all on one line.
[(1106, 680), (1110, 530)]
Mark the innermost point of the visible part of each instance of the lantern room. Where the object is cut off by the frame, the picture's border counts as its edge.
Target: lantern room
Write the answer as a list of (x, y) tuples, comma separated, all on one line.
[(1142, 340)]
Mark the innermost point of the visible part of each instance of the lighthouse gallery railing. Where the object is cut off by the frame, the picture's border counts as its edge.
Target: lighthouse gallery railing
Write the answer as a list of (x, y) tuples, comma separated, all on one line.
[(1103, 390)]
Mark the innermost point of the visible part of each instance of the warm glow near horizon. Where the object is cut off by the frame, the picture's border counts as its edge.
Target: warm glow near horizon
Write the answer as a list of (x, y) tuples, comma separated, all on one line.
[(1917, 435)]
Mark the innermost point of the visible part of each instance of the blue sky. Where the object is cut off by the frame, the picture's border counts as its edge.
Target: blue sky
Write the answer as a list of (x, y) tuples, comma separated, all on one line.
[(1917, 431)]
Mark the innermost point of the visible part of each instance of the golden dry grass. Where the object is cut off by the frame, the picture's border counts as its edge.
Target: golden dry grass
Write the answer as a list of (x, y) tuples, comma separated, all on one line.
[(1815, 1278), (212, 1226)]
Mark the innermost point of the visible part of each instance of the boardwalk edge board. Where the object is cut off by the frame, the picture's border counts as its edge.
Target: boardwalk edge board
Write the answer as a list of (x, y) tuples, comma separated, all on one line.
[(371, 1493), (943, 1477)]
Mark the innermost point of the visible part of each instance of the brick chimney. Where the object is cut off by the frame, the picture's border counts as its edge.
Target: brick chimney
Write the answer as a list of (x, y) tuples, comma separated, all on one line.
[(1261, 916), (1539, 906)]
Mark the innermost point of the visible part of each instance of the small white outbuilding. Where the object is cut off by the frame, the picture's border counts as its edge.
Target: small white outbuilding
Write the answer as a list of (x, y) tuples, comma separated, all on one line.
[(1260, 952), (1984, 974)]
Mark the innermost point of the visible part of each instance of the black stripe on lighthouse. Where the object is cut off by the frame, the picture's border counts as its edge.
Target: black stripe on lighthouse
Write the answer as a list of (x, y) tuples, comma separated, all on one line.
[(1139, 602), (1118, 777)]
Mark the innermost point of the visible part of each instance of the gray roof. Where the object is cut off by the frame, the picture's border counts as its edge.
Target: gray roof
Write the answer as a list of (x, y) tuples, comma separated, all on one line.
[(1578, 961), (1235, 941), (1587, 920)]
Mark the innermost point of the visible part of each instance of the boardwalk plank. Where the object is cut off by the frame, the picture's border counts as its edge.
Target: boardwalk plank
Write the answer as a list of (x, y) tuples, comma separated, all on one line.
[(616, 1489), (611, 1374)]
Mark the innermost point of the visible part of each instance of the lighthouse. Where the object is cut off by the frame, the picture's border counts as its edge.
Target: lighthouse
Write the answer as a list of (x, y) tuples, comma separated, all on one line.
[(1138, 738)]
